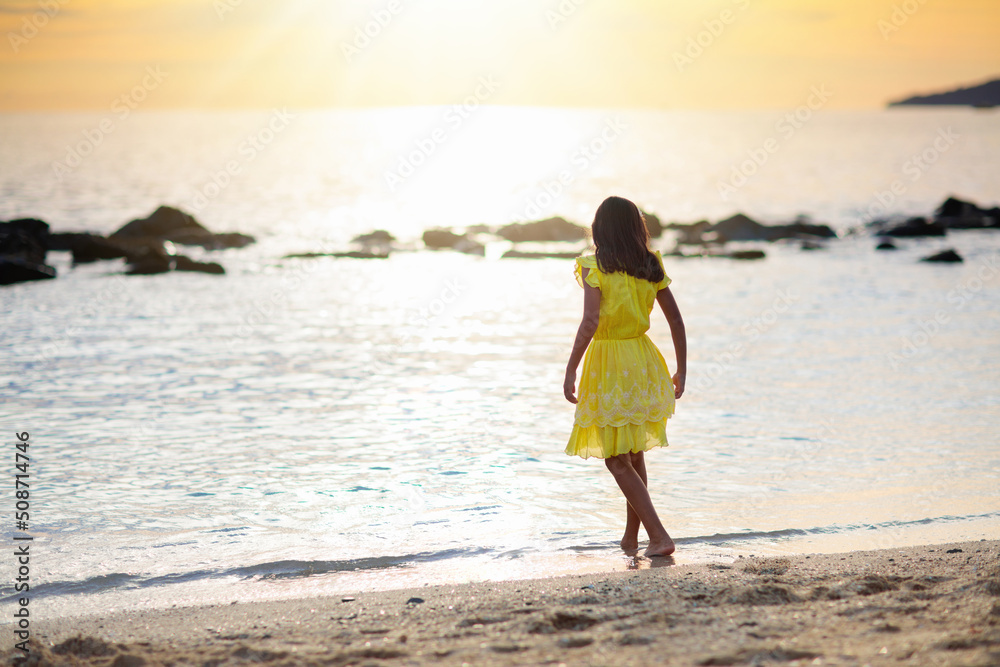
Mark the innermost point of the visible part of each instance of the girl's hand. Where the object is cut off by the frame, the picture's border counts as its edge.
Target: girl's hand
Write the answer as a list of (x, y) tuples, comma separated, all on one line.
[(569, 386), (678, 385)]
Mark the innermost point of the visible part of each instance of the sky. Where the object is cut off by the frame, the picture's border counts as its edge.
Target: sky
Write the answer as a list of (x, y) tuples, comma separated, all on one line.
[(676, 54)]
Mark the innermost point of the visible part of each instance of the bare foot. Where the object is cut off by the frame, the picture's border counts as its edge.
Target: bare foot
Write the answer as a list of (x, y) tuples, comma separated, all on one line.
[(629, 543), (663, 547)]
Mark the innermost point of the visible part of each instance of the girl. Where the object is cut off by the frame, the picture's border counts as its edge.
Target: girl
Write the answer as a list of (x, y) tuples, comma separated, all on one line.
[(626, 392)]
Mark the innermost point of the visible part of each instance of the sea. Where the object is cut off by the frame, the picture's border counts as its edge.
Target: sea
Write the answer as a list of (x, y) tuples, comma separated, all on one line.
[(318, 426)]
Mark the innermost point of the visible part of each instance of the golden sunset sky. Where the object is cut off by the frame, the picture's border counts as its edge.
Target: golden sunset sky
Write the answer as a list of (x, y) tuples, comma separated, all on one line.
[(85, 54)]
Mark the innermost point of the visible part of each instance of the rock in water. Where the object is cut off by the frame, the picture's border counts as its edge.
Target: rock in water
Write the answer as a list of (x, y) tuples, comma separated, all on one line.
[(691, 234), (550, 229), (148, 260), (23, 246), (523, 254), (170, 224), (182, 263), (164, 223), (653, 224), (17, 270), (915, 227), (437, 239), (740, 227), (379, 237), (90, 247), (745, 254), (948, 255), (441, 238), (744, 228), (803, 227), (957, 214)]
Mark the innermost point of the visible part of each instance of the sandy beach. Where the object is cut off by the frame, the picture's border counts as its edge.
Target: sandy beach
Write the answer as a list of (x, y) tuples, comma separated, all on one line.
[(926, 605)]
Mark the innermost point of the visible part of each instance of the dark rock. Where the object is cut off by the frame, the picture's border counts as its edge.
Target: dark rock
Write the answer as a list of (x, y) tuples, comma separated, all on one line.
[(952, 207), (811, 245), (182, 263), (87, 248), (26, 238), (164, 222), (18, 270), (691, 234), (653, 224), (62, 240), (948, 255), (362, 254), (803, 227), (744, 254), (23, 246), (379, 237), (437, 239), (479, 229), (741, 227), (147, 260), (171, 224), (550, 229), (225, 240), (915, 227), (521, 254), (886, 245), (957, 214), (91, 247), (356, 254), (748, 254)]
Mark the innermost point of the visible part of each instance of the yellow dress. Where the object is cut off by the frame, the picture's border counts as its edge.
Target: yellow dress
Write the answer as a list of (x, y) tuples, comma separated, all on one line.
[(624, 391)]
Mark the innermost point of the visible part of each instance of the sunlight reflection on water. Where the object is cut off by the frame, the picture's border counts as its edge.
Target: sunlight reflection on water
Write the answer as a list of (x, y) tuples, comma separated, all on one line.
[(400, 422), (214, 440)]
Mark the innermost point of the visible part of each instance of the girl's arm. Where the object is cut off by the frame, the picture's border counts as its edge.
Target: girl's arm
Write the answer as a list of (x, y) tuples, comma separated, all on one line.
[(673, 314), (591, 315)]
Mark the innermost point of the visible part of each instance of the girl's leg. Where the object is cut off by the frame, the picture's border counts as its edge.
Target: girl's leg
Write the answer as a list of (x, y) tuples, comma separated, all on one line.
[(632, 486), (630, 541)]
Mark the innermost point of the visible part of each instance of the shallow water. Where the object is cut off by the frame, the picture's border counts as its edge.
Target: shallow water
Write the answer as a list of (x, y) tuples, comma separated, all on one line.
[(302, 427)]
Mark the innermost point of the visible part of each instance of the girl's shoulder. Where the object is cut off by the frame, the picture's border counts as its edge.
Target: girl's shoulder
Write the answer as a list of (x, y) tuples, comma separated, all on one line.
[(588, 262), (666, 279)]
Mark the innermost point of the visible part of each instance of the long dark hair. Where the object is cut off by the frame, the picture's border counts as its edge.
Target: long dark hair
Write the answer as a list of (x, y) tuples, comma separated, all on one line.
[(622, 241)]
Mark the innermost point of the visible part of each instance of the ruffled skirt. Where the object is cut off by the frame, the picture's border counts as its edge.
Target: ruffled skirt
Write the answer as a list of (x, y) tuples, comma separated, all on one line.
[(625, 397)]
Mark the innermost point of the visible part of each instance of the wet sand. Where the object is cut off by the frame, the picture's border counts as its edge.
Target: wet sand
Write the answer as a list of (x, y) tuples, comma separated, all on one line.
[(928, 605)]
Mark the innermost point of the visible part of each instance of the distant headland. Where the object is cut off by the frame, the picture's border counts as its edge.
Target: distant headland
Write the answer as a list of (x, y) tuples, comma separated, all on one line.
[(985, 95)]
